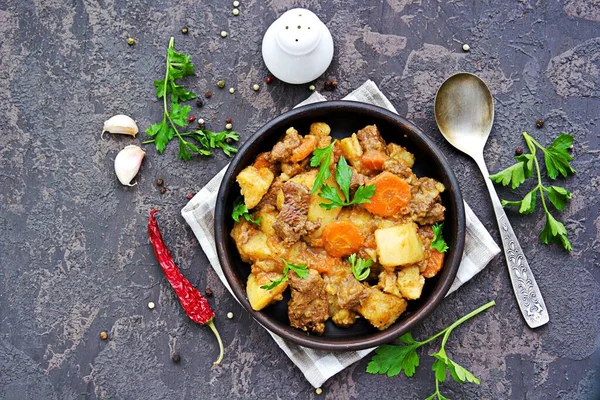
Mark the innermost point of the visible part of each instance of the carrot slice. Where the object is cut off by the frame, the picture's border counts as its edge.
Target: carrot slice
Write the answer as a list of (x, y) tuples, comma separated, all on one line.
[(308, 145), (342, 238), (262, 161), (372, 161), (434, 264), (392, 193)]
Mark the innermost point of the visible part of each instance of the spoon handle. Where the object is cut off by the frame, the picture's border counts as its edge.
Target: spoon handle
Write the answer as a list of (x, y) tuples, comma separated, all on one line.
[(526, 290)]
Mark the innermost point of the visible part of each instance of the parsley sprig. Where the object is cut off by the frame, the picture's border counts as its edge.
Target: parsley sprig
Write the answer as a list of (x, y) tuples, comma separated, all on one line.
[(556, 159), (179, 65), (321, 158), (343, 176), (438, 241), (301, 270), (390, 360), (240, 210), (361, 268)]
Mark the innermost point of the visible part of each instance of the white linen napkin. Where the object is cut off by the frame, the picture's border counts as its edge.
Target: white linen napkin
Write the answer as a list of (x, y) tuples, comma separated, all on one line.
[(318, 365)]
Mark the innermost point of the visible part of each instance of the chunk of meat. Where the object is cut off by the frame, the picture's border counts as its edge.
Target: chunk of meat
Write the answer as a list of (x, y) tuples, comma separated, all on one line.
[(291, 169), (398, 167), (308, 308), (425, 206), (269, 200), (292, 222), (351, 293), (282, 151), (370, 139), (357, 180)]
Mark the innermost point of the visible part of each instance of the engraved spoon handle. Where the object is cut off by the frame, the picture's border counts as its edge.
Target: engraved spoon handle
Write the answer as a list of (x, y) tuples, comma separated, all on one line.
[(526, 289)]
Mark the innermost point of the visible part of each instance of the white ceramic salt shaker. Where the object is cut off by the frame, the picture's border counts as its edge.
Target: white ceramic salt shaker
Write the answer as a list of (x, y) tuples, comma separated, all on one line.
[(297, 48)]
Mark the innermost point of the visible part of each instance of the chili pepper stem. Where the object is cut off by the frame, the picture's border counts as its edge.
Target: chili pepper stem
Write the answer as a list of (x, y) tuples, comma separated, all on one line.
[(213, 328)]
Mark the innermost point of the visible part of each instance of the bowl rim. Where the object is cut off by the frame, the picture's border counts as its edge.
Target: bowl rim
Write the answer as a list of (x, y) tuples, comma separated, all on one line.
[(318, 342)]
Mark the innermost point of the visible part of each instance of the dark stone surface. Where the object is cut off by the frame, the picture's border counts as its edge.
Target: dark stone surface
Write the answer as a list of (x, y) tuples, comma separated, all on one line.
[(74, 257)]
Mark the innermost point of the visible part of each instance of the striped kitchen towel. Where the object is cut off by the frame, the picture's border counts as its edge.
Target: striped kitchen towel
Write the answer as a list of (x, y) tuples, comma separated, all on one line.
[(318, 365)]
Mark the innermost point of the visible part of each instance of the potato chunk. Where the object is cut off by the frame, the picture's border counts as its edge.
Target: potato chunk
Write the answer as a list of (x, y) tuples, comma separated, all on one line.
[(256, 248), (351, 149), (400, 153), (254, 184), (267, 219), (410, 282), (399, 245), (320, 129), (382, 309), (260, 298)]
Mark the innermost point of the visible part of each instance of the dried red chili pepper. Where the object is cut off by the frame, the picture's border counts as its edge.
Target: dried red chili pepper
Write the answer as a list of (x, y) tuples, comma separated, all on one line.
[(194, 304)]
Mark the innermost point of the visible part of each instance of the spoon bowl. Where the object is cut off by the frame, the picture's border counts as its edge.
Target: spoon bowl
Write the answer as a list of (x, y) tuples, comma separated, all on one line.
[(464, 113)]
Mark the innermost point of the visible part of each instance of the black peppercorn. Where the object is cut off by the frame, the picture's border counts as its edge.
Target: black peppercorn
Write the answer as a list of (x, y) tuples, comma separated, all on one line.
[(518, 151), (159, 182), (163, 190), (539, 123), (176, 358), (199, 103), (327, 85), (184, 30), (208, 292)]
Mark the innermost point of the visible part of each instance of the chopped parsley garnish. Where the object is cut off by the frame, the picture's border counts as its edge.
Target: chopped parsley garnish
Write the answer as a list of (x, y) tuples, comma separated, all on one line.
[(240, 210), (361, 268), (438, 241), (343, 177), (301, 270)]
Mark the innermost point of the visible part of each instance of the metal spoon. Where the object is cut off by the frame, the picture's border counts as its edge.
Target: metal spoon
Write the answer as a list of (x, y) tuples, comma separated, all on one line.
[(464, 113)]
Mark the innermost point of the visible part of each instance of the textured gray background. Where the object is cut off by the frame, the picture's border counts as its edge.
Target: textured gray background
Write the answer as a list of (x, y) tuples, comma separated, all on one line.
[(74, 256)]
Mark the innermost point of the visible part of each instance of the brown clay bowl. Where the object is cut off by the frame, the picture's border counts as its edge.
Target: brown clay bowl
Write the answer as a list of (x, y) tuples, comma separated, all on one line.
[(345, 118)]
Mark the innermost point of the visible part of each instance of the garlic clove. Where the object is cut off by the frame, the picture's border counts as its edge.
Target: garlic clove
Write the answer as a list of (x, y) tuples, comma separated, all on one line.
[(122, 124), (128, 162)]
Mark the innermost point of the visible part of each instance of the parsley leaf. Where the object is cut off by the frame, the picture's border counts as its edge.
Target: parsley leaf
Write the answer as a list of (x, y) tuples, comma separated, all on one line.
[(516, 174), (162, 133), (240, 210), (361, 268), (390, 360), (458, 372), (556, 158), (343, 177), (555, 232), (301, 270), (179, 65), (438, 241), (527, 205), (321, 157), (558, 196)]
